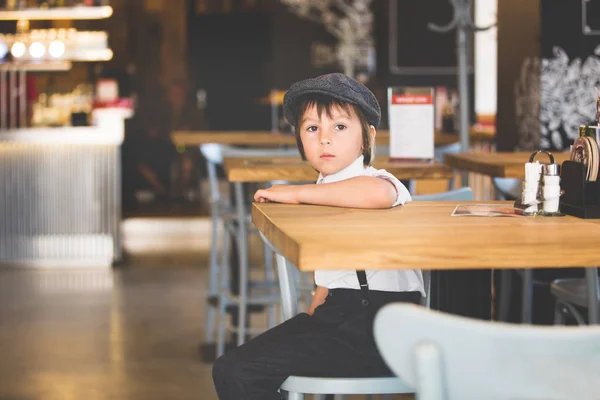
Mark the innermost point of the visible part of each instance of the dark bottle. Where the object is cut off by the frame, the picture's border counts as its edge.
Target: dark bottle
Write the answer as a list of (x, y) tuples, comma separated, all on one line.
[(448, 114)]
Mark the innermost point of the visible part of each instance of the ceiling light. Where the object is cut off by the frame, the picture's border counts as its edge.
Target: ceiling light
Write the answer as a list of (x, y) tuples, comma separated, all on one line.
[(56, 48), (37, 50), (18, 49)]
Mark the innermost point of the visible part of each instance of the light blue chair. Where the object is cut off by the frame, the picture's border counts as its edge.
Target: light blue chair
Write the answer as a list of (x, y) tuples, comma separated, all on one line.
[(298, 386), (448, 357)]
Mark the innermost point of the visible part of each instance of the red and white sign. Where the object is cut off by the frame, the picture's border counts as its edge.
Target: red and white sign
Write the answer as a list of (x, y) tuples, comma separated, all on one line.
[(411, 99), (411, 117)]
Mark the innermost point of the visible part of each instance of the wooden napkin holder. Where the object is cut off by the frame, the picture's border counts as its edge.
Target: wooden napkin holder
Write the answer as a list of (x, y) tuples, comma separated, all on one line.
[(581, 198)]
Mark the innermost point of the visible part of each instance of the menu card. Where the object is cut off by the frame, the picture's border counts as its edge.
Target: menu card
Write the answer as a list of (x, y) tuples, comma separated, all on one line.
[(411, 117), (484, 210)]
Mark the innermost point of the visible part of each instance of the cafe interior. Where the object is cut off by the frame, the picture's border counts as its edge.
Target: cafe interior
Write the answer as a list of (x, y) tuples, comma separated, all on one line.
[(135, 133)]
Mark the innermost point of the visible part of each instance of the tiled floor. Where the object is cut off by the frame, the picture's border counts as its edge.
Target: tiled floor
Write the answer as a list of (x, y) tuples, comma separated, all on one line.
[(124, 333)]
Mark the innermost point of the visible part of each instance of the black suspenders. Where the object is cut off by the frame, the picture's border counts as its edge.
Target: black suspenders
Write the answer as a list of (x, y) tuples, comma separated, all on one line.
[(364, 287)]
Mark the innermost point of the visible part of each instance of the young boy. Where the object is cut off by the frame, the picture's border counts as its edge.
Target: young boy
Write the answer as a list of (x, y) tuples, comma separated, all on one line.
[(335, 118)]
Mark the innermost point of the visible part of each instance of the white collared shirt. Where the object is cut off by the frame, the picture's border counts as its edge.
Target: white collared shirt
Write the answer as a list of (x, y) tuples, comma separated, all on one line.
[(388, 280)]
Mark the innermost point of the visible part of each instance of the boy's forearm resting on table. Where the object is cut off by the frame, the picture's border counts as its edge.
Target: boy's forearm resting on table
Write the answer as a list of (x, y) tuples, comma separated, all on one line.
[(318, 299), (358, 192)]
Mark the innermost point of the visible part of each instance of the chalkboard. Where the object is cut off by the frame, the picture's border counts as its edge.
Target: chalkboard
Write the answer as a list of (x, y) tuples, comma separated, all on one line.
[(409, 53), (590, 17)]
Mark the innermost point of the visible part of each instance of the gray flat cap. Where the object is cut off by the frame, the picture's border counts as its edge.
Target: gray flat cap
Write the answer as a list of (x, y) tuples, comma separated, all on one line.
[(338, 86)]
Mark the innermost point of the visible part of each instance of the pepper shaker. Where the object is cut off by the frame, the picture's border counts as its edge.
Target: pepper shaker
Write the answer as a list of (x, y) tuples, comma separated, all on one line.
[(551, 187)]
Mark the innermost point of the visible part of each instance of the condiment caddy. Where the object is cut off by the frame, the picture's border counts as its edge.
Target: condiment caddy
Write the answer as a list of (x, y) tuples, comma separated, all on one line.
[(541, 188)]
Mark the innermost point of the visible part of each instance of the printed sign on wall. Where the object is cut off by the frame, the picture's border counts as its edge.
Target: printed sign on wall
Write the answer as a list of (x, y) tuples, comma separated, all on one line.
[(411, 114)]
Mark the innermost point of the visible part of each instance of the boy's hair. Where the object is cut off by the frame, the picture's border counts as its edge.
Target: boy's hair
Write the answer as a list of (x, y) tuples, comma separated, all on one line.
[(326, 103)]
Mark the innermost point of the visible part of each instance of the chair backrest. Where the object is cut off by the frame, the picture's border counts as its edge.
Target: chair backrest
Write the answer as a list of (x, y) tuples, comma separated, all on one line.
[(439, 151), (213, 152), (229, 151), (462, 194), (450, 357), (507, 188)]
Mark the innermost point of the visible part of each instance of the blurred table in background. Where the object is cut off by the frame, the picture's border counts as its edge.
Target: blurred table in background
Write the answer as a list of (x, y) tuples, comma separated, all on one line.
[(267, 138), (293, 169)]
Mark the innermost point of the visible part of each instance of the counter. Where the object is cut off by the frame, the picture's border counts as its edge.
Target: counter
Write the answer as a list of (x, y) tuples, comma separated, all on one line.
[(60, 194)]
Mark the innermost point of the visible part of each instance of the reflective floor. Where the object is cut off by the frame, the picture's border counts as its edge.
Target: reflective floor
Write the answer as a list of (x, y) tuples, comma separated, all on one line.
[(125, 333), (130, 332)]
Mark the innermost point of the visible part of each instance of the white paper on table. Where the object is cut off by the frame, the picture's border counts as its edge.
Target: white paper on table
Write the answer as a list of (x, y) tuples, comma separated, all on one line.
[(411, 115)]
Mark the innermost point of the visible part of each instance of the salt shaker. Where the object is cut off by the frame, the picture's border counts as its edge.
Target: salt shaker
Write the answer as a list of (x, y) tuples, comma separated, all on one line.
[(531, 185), (551, 187)]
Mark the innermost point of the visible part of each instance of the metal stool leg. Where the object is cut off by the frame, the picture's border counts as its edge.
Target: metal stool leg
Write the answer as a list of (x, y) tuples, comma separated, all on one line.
[(213, 279), (559, 318), (270, 277), (527, 296), (223, 293), (505, 293), (593, 289), (242, 240)]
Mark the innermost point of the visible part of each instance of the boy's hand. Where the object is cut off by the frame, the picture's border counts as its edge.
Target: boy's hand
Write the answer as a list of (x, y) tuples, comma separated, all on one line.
[(287, 194)]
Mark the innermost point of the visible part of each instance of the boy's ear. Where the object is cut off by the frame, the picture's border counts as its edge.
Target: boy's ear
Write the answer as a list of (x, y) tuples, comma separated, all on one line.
[(372, 133)]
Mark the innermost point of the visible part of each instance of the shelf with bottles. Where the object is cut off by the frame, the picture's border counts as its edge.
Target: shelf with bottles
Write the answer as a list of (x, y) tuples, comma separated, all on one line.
[(54, 9), (63, 109)]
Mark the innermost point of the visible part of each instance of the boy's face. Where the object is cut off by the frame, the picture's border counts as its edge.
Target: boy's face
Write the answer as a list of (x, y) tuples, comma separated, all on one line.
[(331, 144)]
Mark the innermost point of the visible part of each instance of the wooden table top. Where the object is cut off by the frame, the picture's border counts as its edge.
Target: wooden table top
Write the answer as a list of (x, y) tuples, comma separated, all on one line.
[(266, 138), (503, 165), (424, 235), (293, 169)]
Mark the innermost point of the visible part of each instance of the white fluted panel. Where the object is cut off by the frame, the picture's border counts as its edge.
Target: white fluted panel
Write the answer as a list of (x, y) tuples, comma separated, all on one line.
[(59, 202)]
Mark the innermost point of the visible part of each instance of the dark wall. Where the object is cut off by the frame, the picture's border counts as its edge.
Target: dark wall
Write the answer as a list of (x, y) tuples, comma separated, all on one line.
[(291, 42), (518, 69), (229, 55), (238, 57)]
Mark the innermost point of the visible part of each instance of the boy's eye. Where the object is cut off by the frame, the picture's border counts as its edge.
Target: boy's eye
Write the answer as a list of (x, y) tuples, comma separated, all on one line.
[(312, 128), (340, 127)]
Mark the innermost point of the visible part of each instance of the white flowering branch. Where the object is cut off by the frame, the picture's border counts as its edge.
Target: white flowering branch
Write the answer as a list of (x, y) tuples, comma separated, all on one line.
[(349, 21)]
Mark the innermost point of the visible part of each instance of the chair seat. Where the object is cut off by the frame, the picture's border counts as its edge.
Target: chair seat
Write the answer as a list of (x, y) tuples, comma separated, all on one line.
[(310, 385), (572, 291)]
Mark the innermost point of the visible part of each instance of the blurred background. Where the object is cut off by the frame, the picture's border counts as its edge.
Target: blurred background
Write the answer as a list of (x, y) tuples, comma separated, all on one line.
[(105, 216)]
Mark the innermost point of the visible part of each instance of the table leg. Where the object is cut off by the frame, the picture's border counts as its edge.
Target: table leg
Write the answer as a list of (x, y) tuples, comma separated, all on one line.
[(591, 275)]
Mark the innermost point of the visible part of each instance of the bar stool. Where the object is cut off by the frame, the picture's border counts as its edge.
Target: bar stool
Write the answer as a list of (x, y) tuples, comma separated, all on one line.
[(235, 221), (577, 292)]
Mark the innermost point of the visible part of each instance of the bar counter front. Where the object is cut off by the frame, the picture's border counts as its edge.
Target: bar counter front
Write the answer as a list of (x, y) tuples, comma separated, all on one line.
[(60, 194)]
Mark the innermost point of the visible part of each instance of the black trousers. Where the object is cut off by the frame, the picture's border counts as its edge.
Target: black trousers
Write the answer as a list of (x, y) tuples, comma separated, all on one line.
[(337, 341)]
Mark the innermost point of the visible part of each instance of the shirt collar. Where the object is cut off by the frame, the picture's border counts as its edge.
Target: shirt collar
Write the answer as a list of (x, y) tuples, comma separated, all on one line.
[(357, 168)]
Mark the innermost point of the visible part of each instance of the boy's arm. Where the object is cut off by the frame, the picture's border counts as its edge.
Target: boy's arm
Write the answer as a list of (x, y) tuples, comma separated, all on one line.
[(318, 299), (358, 192)]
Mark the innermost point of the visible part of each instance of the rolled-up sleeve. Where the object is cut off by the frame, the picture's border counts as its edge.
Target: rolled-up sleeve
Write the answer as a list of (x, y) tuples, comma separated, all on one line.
[(403, 195)]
